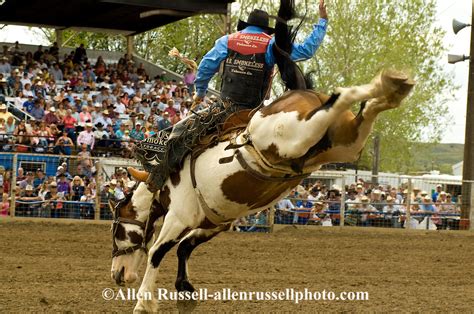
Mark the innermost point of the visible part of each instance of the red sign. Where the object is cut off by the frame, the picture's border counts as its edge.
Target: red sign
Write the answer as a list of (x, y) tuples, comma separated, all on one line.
[(248, 44)]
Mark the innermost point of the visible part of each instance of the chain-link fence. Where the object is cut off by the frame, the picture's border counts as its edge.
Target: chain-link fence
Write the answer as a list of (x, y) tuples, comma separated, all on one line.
[(259, 222), (79, 187), (56, 186), (431, 202)]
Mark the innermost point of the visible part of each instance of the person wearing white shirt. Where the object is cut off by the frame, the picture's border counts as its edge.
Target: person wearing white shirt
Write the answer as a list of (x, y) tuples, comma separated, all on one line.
[(390, 209), (5, 67), (120, 108), (25, 80), (129, 89), (27, 92), (397, 198), (286, 209), (86, 137), (100, 119), (365, 209), (100, 135), (57, 73), (103, 118), (19, 100)]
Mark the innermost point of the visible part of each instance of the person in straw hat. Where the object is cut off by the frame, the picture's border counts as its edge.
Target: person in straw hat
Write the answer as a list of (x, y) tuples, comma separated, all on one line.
[(87, 137), (365, 209), (391, 212), (4, 114), (51, 117)]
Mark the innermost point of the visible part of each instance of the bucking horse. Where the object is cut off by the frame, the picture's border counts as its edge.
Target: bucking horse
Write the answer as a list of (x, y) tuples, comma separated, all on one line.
[(247, 171)]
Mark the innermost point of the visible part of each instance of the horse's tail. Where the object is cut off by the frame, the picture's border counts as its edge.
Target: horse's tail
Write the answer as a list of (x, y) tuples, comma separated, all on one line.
[(290, 73)]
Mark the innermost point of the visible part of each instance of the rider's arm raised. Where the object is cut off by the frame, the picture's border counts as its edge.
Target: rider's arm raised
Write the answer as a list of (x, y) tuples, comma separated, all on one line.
[(307, 49)]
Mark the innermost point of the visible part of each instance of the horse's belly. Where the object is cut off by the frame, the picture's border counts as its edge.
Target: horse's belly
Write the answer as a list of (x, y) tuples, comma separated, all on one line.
[(231, 190)]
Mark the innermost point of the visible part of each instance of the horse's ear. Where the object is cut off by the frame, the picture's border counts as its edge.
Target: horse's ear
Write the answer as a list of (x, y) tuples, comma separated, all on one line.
[(112, 205)]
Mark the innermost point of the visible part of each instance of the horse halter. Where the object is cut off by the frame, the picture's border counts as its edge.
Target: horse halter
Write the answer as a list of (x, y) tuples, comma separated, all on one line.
[(143, 225)]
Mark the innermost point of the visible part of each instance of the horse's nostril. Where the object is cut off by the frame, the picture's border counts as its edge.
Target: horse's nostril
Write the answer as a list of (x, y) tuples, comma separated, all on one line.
[(119, 280)]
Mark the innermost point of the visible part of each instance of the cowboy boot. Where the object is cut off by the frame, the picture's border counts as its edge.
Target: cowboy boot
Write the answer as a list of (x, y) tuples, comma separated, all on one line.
[(152, 154), (157, 178)]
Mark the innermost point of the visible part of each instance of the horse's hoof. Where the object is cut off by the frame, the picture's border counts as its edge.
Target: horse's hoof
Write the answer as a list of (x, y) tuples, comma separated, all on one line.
[(146, 306), (184, 285), (394, 76)]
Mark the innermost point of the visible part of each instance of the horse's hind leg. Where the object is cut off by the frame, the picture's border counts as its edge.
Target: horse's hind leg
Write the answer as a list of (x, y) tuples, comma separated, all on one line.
[(391, 84), (186, 247), (172, 232)]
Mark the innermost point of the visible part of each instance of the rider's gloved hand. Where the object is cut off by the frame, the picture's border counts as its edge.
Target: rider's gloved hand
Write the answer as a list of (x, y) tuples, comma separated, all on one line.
[(197, 100), (322, 10)]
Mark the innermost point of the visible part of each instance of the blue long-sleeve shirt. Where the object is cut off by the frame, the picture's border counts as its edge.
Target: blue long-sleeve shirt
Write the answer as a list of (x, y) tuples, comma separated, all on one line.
[(211, 61)]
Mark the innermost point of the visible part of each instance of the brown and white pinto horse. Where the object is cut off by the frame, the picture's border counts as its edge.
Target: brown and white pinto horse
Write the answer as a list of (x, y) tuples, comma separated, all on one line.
[(282, 143)]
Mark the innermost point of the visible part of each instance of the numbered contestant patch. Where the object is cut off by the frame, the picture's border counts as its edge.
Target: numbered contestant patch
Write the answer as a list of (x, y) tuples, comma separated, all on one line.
[(151, 150)]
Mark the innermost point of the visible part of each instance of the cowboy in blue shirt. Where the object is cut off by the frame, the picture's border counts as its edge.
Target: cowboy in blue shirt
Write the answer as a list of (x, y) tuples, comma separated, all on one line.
[(257, 24)]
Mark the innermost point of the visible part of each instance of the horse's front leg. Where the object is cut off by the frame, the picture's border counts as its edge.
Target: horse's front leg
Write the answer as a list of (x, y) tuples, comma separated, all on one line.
[(186, 247), (172, 232)]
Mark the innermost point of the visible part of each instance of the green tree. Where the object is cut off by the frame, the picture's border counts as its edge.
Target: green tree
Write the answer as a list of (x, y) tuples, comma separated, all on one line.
[(96, 41), (363, 37), (367, 36)]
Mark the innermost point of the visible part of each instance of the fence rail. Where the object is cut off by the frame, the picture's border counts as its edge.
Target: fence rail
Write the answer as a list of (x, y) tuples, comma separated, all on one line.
[(325, 199), (342, 208), (56, 186), (48, 144)]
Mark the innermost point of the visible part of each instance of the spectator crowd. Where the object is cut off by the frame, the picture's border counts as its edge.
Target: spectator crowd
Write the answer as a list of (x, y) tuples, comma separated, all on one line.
[(61, 195), (364, 205), (76, 102)]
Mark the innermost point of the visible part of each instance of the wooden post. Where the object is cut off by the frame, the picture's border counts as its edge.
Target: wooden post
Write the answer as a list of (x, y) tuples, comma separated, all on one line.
[(471, 208), (467, 211), (376, 160), (408, 214), (343, 202), (271, 218), (130, 46), (59, 37), (228, 19), (98, 169), (13, 185)]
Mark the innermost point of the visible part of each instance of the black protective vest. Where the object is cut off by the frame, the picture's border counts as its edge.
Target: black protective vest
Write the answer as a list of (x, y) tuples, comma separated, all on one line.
[(245, 76)]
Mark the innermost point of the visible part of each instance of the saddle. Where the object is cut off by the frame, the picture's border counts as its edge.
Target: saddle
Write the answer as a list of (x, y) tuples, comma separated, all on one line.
[(237, 120), (233, 125)]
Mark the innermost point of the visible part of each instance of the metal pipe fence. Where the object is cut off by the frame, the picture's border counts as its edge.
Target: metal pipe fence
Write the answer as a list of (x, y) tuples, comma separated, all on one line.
[(45, 185), (56, 186), (49, 144), (329, 198)]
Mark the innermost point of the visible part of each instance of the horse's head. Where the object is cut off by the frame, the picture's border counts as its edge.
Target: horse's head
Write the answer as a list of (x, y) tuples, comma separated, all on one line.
[(132, 229)]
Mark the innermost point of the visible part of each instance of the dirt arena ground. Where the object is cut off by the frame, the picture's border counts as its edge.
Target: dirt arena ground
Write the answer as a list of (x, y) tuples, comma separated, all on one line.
[(63, 266)]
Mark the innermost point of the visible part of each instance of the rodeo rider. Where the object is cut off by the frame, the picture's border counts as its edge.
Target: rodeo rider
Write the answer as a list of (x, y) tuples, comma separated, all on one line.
[(246, 60)]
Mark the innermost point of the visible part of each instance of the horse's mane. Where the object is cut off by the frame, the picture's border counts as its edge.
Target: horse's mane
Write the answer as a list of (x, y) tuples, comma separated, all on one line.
[(291, 74)]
